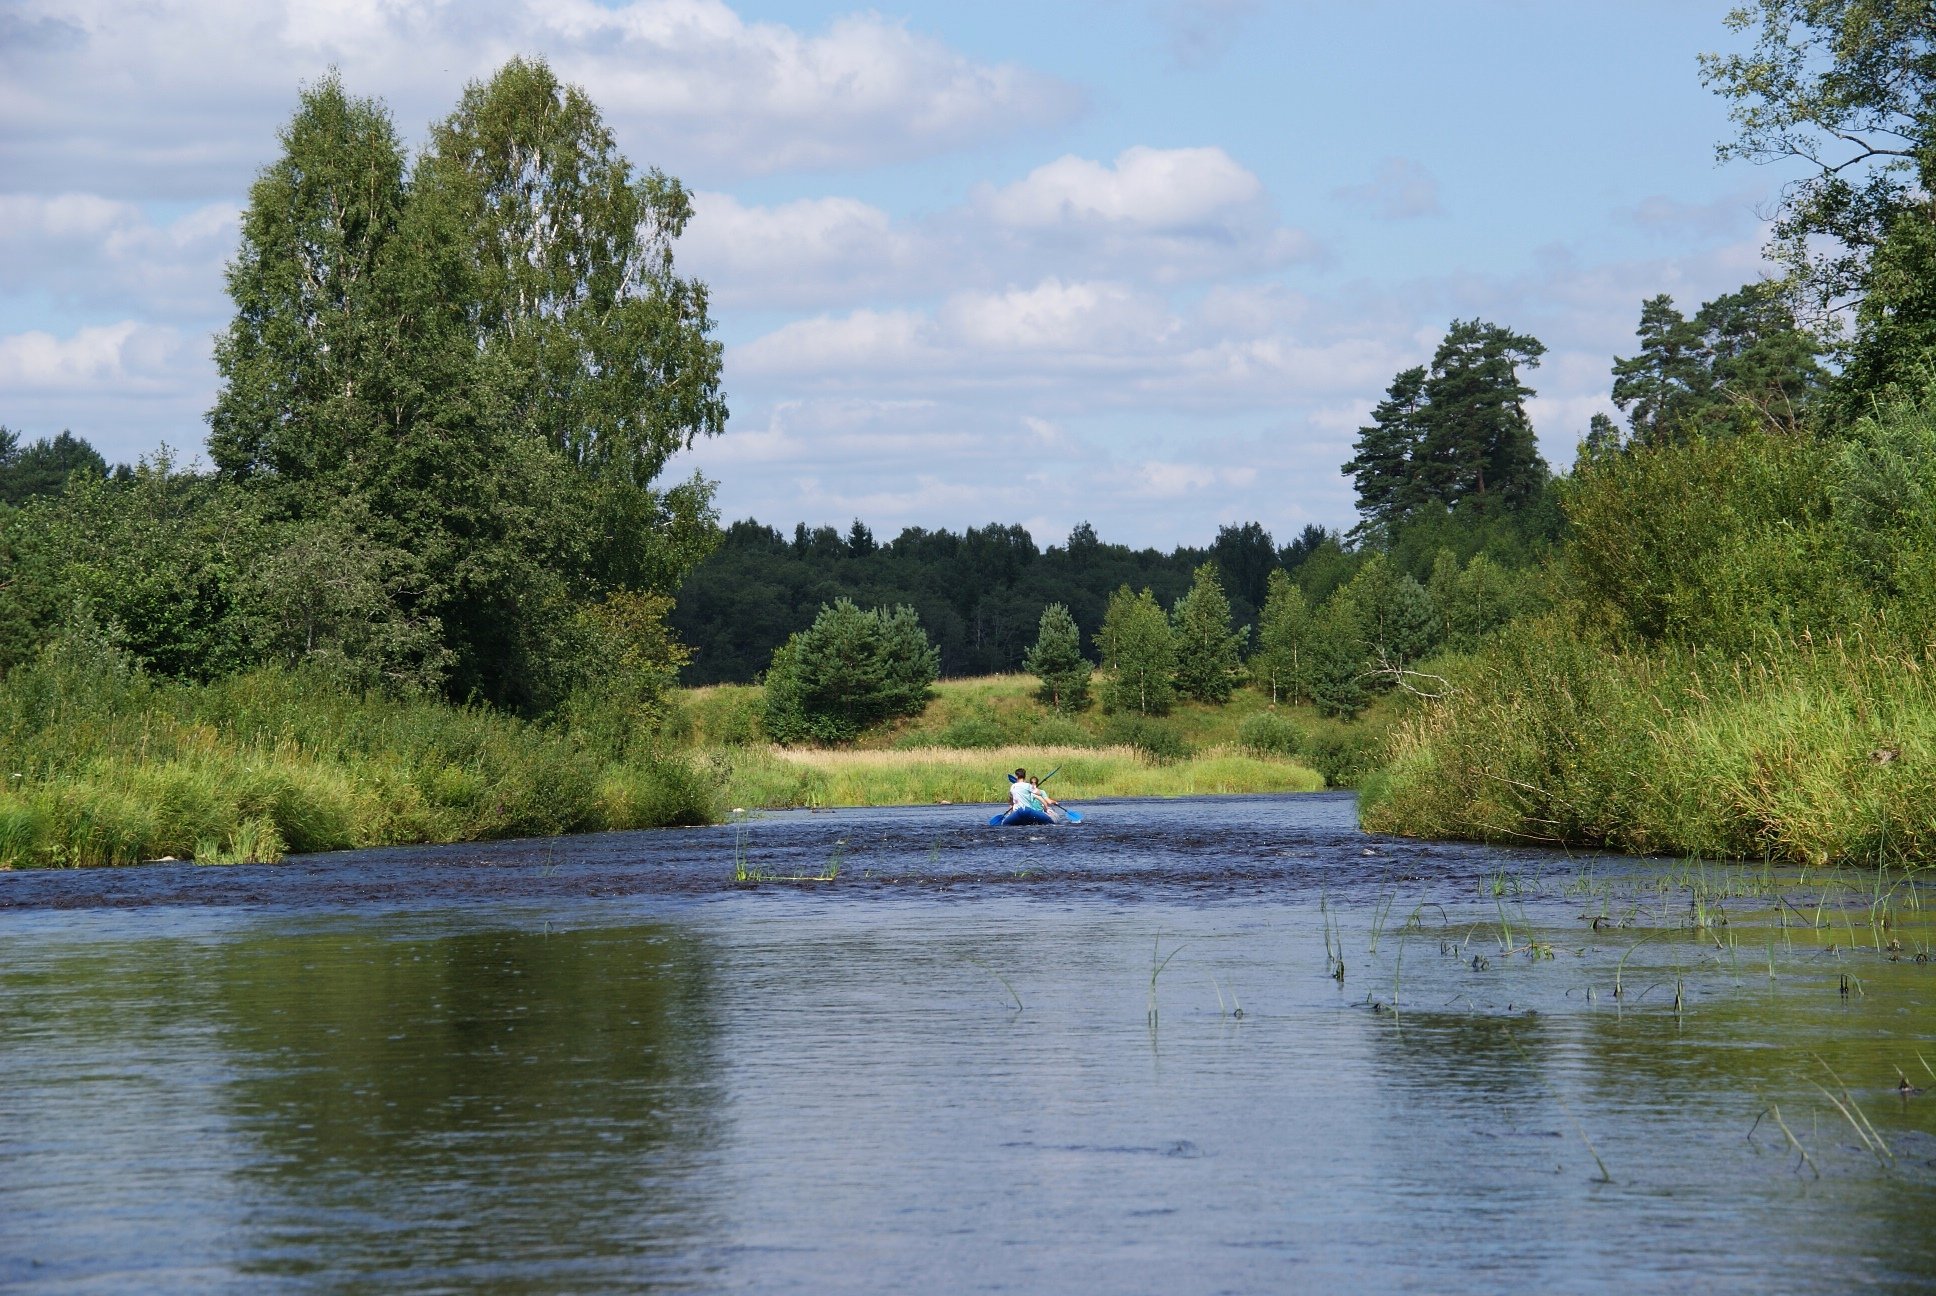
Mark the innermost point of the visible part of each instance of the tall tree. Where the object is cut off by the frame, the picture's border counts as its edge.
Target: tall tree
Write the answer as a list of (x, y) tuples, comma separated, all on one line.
[(297, 362), (1281, 665), (1661, 388), (1138, 655), (1741, 361), (491, 354), (1057, 660), (1384, 464), (1209, 654), (1843, 88), (1478, 445)]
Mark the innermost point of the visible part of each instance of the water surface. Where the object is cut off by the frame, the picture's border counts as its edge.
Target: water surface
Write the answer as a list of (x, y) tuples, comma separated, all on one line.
[(599, 1064)]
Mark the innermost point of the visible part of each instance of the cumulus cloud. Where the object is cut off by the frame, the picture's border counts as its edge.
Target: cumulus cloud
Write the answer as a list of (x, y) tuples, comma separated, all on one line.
[(1157, 216), (88, 251), (129, 356), (181, 97), (1402, 189)]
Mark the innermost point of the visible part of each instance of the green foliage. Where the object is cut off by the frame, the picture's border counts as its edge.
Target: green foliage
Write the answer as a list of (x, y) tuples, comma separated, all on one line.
[(1337, 657), (468, 373), (1453, 435), (1740, 363), (1845, 87), (1717, 543), (43, 467), (1269, 734), (1153, 738), (1392, 615), (1740, 666), (1281, 664), (1209, 654), (1344, 754), (1138, 655), (1057, 660), (849, 671), (111, 765)]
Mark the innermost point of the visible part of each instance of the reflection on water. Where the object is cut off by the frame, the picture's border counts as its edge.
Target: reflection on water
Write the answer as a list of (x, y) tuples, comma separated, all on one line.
[(610, 1070)]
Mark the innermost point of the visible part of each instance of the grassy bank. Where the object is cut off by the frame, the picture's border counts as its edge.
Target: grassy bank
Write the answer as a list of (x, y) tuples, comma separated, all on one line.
[(105, 766), (1242, 745), (776, 777), (1800, 752)]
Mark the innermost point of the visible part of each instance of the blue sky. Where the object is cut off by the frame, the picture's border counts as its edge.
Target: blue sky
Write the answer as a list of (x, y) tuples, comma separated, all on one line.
[(1141, 262)]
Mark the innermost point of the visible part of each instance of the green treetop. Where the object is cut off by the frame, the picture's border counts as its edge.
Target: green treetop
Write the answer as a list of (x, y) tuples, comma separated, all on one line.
[(1842, 89), (847, 672), (1281, 663), (1138, 654), (1057, 659), (1209, 655)]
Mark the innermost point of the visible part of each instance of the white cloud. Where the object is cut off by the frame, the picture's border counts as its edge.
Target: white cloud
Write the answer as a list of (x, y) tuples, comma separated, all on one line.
[(1155, 216), (808, 252), (129, 356), (1401, 190), (1147, 189), (182, 96), (91, 251)]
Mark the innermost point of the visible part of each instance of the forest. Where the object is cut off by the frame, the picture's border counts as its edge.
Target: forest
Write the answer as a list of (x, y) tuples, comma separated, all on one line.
[(433, 556)]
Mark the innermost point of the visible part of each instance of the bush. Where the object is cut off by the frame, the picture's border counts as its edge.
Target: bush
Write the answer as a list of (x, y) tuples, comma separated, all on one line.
[(1269, 734), (1153, 738), (849, 671), (972, 731), (1344, 755)]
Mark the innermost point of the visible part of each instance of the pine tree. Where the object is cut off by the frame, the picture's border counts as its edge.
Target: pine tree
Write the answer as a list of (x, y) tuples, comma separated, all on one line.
[(1383, 466), (847, 672), (1209, 655), (1057, 659), (1138, 655), (1478, 442)]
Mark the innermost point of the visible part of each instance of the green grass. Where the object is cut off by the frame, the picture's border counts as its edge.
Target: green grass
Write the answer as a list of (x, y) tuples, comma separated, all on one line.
[(775, 777), (1799, 752), (1243, 745), (109, 767)]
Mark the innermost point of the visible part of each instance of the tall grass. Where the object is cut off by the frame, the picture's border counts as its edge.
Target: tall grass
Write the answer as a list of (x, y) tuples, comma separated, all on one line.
[(780, 777), (102, 765), (1798, 751)]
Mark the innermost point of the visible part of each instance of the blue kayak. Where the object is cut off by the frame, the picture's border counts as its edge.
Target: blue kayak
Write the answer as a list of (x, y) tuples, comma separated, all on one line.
[(1021, 815)]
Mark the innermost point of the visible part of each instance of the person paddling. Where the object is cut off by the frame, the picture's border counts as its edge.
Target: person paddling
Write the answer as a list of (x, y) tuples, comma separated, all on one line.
[(1021, 793)]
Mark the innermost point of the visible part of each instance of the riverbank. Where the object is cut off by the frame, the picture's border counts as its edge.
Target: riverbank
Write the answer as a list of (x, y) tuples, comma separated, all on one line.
[(1802, 753), (1245, 742), (773, 778), (107, 766)]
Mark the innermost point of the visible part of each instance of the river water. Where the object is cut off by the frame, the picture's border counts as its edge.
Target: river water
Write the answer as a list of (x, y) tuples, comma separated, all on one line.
[(1114, 1057)]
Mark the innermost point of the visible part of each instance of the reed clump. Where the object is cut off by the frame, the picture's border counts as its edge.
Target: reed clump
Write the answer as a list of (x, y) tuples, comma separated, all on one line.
[(105, 765), (1799, 751)]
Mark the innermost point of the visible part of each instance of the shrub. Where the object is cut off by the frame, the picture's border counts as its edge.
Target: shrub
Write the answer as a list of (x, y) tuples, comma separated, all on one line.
[(1269, 734), (849, 671), (1343, 754), (1158, 741)]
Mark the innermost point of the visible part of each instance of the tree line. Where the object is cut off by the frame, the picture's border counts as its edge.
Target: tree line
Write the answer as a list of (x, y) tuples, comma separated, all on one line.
[(447, 391)]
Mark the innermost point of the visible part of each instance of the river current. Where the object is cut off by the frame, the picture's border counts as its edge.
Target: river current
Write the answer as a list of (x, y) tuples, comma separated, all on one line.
[(1208, 1046)]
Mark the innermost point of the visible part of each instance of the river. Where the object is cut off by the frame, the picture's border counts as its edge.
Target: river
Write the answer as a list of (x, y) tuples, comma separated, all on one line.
[(1116, 1057)]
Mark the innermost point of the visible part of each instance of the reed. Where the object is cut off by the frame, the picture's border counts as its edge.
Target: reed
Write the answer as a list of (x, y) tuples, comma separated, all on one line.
[(106, 766), (780, 777), (1800, 751)]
